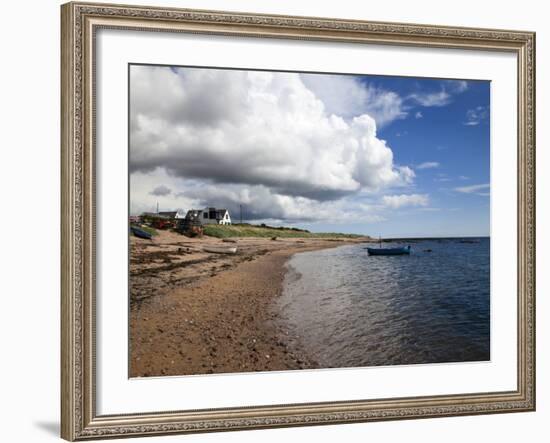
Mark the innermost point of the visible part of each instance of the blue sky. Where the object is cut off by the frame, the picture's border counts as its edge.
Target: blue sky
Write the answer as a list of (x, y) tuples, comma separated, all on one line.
[(447, 142), (389, 156)]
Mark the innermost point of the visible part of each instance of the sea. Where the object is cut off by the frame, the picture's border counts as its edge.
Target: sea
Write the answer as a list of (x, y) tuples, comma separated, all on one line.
[(348, 309)]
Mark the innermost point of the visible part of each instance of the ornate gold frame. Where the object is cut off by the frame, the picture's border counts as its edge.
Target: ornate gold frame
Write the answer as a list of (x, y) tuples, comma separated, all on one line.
[(79, 22)]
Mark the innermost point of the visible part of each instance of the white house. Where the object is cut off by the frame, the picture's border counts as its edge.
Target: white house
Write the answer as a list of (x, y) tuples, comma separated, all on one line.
[(208, 216), (179, 214)]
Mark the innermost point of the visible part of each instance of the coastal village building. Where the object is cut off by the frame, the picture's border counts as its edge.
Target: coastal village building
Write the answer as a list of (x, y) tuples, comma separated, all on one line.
[(195, 219), (172, 214), (209, 216)]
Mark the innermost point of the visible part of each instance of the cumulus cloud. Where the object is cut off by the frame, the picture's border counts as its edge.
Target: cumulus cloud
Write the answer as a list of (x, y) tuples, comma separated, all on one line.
[(428, 165), (260, 203), (348, 96), (161, 191), (398, 201), (418, 115), (264, 133)]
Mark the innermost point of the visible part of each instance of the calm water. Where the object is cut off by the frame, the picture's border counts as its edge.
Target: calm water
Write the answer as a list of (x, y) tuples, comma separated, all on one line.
[(351, 309)]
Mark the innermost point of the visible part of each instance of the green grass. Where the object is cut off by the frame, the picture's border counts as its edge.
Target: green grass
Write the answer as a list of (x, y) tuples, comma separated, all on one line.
[(247, 230)]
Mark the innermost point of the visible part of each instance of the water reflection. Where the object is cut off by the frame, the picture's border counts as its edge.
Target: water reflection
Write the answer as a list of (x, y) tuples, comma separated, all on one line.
[(350, 309)]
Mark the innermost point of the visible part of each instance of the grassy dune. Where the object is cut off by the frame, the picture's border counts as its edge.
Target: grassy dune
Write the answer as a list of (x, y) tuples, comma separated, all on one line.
[(247, 230)]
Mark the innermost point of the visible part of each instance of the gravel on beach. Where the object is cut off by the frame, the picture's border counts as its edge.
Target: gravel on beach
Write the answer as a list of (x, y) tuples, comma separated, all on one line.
[(194, 312)]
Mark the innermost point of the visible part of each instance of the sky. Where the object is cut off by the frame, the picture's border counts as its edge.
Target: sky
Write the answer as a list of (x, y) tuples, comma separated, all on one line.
[(377, 155)]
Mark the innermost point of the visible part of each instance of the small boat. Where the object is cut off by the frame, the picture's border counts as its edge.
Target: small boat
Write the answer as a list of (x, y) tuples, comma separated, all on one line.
[(217, 250), (405, 250), (140, 233)]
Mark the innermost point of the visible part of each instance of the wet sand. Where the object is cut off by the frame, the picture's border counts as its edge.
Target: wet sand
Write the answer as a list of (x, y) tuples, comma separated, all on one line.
[(194, 312)]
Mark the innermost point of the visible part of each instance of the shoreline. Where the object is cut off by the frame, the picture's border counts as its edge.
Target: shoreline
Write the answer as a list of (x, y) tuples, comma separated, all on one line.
[(194, 313)]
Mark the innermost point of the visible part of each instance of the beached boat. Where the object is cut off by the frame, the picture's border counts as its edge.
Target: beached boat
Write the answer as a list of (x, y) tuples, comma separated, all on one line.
[(140, 233), (218, 250), (405, 250)]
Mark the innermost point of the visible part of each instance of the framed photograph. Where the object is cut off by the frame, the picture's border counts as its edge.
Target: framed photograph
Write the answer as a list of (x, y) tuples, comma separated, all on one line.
[(282, 221)]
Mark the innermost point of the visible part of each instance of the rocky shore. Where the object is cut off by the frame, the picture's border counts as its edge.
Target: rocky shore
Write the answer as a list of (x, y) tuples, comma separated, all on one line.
[(195, 312)]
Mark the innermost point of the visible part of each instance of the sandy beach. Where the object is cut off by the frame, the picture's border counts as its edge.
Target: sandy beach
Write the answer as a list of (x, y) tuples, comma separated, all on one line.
[(195, 312)]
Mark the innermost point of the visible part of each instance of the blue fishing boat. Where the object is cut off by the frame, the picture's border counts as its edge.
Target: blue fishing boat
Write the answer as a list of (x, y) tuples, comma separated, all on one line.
[(405, 250), (140, 233)]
